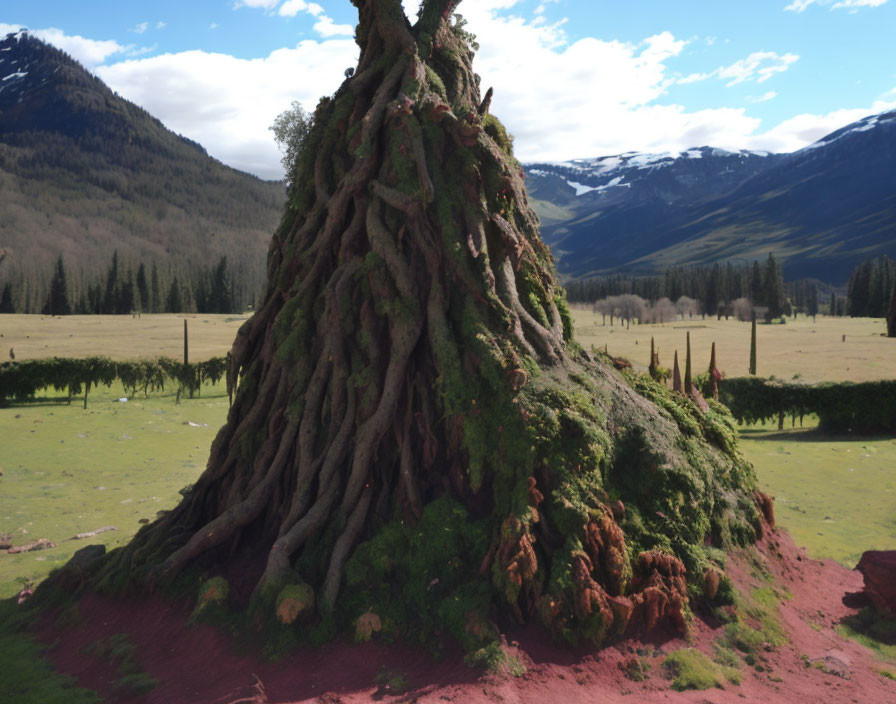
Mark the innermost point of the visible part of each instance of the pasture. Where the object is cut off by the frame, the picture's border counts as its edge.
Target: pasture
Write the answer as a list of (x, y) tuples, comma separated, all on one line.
[(118, 337), (807, 349), (68, 471)]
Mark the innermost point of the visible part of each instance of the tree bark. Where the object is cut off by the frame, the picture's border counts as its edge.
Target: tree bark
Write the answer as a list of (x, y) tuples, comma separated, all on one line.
[(412, 349)]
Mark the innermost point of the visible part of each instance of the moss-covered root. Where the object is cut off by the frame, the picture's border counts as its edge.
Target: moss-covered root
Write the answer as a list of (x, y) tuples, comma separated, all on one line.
[(412, 410)]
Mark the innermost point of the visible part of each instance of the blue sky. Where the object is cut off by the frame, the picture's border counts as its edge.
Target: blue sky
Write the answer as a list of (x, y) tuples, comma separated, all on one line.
[(572, 78)]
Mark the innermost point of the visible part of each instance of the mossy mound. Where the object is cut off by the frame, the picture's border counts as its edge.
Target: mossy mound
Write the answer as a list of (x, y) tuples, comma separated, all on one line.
[(610, 498)]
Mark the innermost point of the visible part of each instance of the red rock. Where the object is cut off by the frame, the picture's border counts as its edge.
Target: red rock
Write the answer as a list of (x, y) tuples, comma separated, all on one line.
[(878, 567)]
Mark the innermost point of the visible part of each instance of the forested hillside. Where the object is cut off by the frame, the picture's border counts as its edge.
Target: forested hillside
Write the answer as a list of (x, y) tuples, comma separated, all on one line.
[(84, 173)]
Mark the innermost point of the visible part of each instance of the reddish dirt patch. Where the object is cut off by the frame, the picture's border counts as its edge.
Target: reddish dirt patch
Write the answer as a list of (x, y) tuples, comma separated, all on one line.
[(197, 664)]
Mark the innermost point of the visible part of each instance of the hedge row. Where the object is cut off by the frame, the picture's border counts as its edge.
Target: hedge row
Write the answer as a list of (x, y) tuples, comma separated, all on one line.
[(22, 380), (868, 407)]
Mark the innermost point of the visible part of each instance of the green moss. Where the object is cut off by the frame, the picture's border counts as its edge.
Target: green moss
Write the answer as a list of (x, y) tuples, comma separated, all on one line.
[(435, 83), (492, 126), (416, 578), (692, 669), (565, 314), (28, 678)]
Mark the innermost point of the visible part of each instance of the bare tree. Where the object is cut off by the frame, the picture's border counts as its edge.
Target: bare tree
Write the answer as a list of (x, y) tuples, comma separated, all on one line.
[(742, 309)]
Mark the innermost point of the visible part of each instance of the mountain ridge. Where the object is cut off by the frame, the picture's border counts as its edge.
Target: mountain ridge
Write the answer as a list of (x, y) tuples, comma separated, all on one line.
[(85, 172), (821, 210)]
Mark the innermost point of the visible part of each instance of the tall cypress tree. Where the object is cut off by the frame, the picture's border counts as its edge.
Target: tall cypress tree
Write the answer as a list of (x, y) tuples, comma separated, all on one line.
[(6, 303), (155, 297), (774, 288), (143, 289), (753, 346), (174, 302), (891, 314), (110, 297), (57, 301)]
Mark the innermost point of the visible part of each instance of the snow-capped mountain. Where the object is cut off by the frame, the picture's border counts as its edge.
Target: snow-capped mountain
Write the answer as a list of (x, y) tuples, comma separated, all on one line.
[(821, 209)]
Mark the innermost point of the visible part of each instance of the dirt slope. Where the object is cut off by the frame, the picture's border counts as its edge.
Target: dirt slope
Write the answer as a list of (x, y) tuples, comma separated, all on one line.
[(199, 664)]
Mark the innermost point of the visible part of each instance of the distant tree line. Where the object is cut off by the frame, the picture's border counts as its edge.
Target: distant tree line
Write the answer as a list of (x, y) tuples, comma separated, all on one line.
[(716, 287), (871, 286), (126, 289), (715, 290)]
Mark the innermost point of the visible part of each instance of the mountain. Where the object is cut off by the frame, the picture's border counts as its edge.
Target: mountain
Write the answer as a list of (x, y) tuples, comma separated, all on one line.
[(821, 210), (84, 172)]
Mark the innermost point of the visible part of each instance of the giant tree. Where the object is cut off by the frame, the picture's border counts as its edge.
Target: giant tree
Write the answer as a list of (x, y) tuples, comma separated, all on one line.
[(415, 434)]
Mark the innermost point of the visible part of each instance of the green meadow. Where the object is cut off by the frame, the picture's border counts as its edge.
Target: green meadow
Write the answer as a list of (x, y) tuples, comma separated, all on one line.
[(836, 495), (67, 470)]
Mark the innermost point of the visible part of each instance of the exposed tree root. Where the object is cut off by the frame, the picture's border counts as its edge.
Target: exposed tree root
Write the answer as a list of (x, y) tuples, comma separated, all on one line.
[(410, 366)]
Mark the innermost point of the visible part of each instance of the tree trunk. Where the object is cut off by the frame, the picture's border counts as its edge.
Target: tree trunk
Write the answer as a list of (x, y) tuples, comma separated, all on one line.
[(408, 384)]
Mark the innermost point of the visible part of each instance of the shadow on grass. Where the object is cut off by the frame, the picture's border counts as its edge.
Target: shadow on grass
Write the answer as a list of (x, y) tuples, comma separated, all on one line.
[(807, 434), (78, 401)]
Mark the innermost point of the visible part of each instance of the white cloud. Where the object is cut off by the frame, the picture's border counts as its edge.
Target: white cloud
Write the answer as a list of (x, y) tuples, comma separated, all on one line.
[(89, 52), (293, 7), (801, 130), (327, 28), (798, 5), (765, 97), (213, 25), (161, 25), (851, 5), (226, 103), (857, 3), (758, 66), (561, 99), (262, 4), (140, 28)]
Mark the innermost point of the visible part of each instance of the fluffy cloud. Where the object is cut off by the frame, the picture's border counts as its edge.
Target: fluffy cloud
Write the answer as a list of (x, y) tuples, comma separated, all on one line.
[(227, 104), (801, 130), (90, 52), (140, 28), (293, 7), (561, 99)]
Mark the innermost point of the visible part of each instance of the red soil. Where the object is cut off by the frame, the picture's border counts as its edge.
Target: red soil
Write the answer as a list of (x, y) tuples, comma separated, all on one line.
[(197, 664)]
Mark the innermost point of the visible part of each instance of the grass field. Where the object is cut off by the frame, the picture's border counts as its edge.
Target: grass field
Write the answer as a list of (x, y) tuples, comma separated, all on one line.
[(67, 470), (117, 336), (814, 350), (836, 495)]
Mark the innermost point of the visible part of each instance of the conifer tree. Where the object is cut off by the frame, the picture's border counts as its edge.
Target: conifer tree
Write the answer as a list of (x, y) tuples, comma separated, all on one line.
[(57, 301), (143, 290), (774, 288), (753, 346), (676, 375), (688, 385), (891, 314), (174, 302), (154, 291), (714, 373), (6, 302)]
